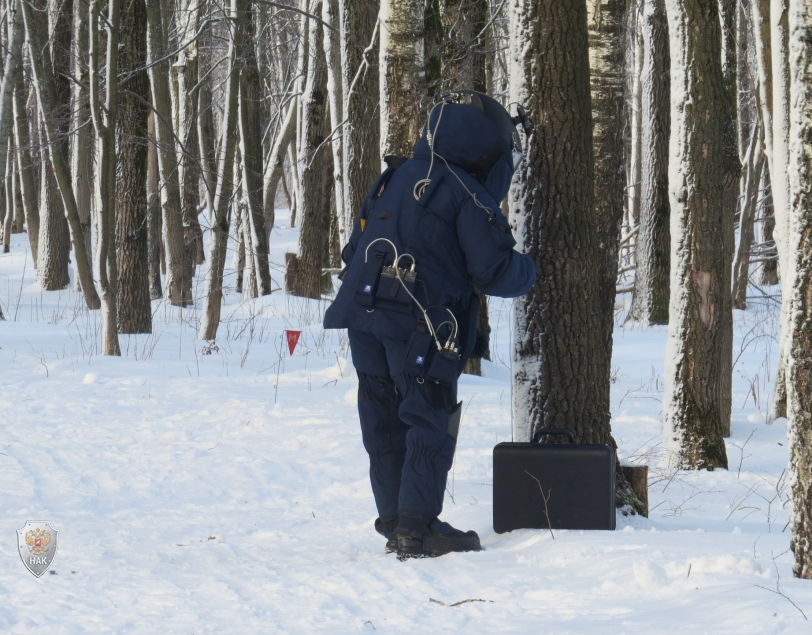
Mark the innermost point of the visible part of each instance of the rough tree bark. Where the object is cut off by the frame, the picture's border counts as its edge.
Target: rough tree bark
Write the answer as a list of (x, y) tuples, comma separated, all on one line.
[(361, 133), (606, 21), (402, 75), (186, 69), (134, 309), (696, 410), (153, 213), (251, 152), (25, 166), (167, 157), (799, 367), (82, 157), (304, 273), (213, 289), (779, 165), (559, 368), (47, 100), (653, 255), (104, 123)]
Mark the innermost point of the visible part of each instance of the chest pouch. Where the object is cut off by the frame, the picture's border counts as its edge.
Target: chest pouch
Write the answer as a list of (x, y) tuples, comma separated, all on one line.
[(392, 281)]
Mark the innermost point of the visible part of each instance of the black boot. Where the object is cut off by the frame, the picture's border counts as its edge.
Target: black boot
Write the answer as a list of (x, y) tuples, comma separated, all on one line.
[(387, 530), (419, 540)]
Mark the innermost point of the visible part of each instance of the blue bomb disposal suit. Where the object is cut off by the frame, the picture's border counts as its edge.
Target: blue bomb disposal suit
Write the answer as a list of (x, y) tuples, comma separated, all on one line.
[(429, 232)]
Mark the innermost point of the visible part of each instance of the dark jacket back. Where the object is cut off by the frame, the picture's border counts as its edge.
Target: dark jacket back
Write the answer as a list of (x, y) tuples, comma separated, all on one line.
[(455, 234)]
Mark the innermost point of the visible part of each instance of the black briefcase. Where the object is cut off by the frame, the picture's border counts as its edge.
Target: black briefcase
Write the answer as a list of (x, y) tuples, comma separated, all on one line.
[(553, 485)]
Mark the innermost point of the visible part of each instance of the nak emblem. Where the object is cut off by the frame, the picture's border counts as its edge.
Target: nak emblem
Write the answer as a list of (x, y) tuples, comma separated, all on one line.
[(37, 542)]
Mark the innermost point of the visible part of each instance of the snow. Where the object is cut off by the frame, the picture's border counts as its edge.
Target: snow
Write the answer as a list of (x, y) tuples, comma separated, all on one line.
[(228, 492)]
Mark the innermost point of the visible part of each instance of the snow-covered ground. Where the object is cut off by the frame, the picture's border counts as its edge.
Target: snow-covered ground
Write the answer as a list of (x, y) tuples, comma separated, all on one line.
[(224, 488)]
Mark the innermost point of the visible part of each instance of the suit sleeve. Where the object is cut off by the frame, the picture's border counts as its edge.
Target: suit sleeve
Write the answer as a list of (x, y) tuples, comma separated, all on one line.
[(495, 267)]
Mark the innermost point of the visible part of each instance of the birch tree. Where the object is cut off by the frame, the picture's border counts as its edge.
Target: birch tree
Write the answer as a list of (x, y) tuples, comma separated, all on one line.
[(402, 75), (696, 410), (606, 20), (799, 373)]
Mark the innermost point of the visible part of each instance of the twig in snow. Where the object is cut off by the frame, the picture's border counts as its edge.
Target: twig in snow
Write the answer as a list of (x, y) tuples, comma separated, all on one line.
[(778, 589), (545, 499)]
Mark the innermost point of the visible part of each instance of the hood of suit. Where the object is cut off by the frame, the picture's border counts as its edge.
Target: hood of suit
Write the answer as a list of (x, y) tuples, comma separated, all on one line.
[(467, 139)]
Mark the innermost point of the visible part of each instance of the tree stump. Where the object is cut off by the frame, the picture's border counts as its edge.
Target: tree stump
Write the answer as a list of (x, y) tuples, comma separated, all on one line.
[(637, 476)]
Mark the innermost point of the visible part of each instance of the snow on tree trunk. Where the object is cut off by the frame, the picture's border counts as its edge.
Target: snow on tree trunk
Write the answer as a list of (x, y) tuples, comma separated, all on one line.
[(779, 165), (635, 62), (335, 97), (559, 368), (653, 253), (402, 75), (606, 23), (799, 361), (694, 406), (134, 308)]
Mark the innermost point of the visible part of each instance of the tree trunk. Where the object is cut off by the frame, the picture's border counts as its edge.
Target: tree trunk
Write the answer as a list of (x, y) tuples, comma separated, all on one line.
[(276, 163), (635, 61), (104, 123), (361, 133), (305, 279), (695, 408), (132, 226), (799, 366), (188, 172), (754, 162), (153, 213), (213, 290), (82, 157), (402, 76), (167, 158), (653, 253), (11, 68), (779, 165), (335, 95), (28, 188), (559, 366), (48, 108), (251, 152), (606, 21)]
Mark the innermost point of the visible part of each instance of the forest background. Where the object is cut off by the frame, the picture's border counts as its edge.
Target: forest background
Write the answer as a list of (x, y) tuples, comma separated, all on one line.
[(669, 161)]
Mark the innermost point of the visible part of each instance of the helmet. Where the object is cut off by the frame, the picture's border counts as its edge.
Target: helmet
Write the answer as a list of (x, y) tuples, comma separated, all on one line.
[(496, 113)]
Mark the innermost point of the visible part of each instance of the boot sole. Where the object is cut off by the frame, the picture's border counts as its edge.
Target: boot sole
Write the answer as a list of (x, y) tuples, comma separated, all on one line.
[(435, 546)]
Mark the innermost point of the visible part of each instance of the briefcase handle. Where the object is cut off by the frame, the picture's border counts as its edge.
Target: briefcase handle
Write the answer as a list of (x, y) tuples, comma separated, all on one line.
[(543, 432)]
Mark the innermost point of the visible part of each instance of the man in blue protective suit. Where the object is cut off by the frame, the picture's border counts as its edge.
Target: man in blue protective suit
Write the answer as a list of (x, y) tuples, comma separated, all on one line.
[(429, 233)]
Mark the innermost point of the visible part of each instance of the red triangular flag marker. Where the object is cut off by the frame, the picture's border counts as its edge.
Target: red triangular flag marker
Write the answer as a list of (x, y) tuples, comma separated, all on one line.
[(293, 339)]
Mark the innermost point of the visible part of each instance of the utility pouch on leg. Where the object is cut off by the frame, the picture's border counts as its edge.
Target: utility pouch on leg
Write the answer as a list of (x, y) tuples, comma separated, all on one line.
[(417, 353), (443, 366), (369, 278)]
